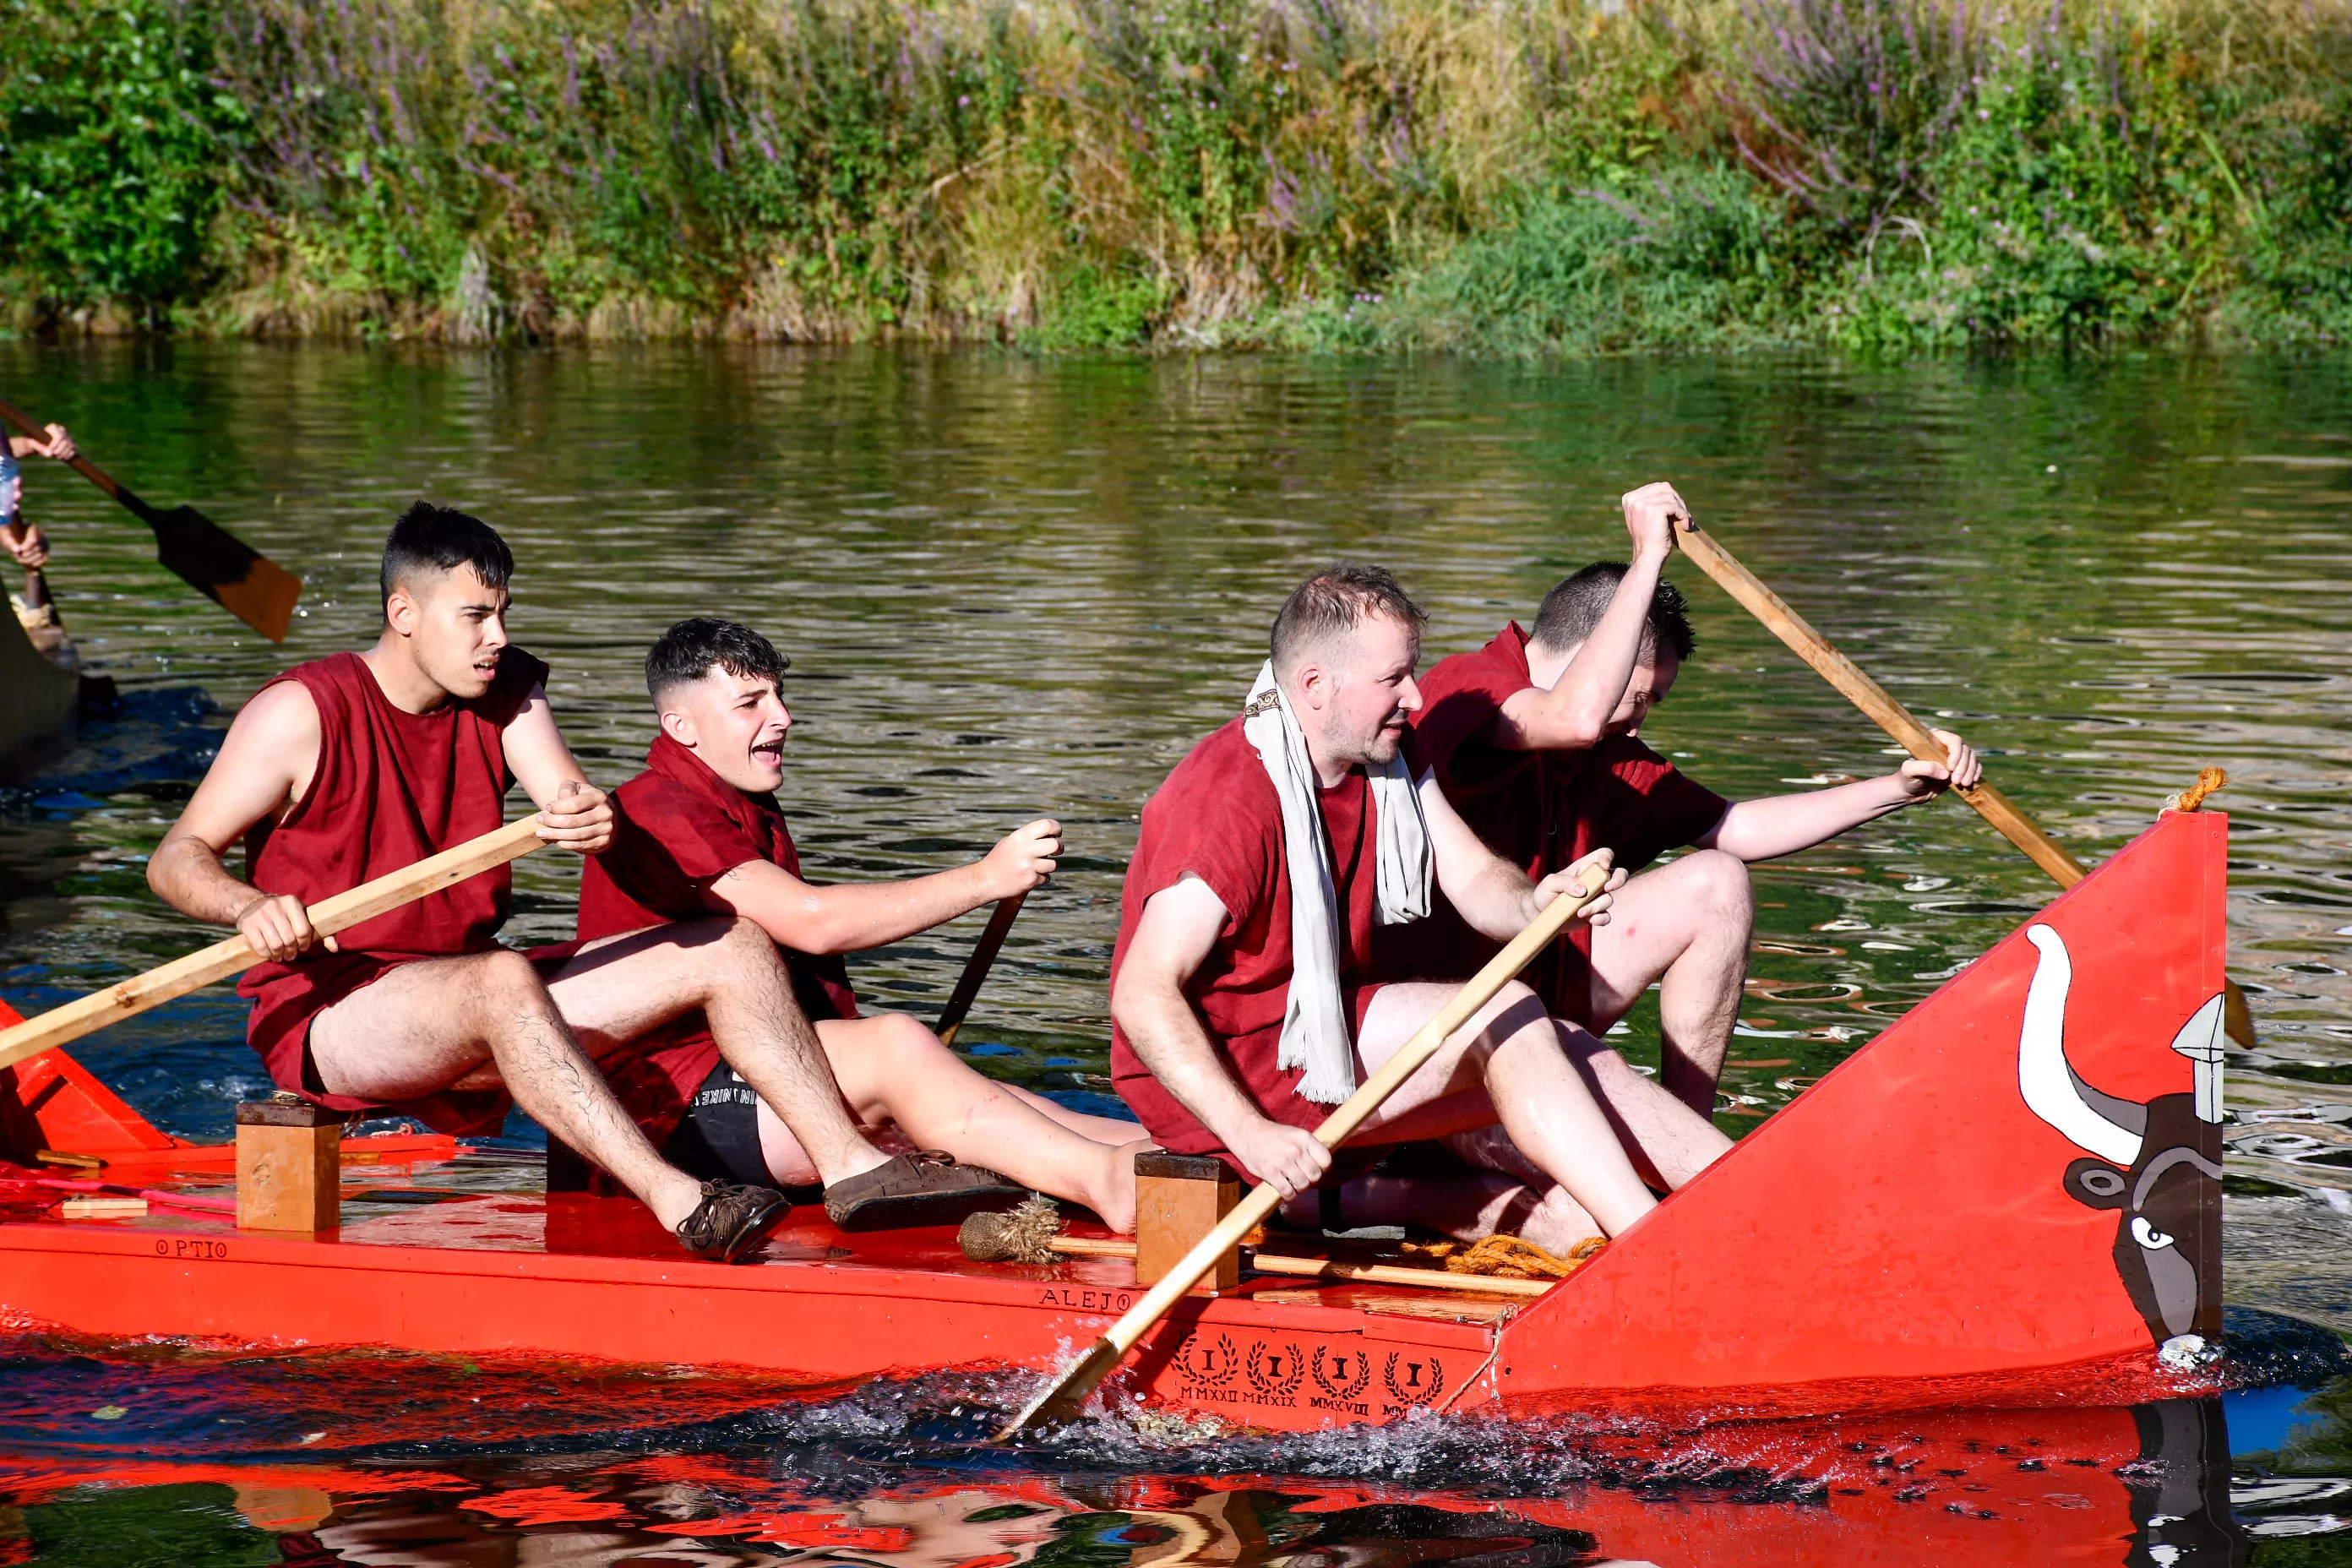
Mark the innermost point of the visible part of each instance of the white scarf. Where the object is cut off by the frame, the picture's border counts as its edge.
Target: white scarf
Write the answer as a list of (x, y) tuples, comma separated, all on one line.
[(1315, 1033)]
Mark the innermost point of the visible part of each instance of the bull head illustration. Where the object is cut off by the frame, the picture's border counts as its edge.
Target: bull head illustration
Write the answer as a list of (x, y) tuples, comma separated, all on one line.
[(2158, 1165)]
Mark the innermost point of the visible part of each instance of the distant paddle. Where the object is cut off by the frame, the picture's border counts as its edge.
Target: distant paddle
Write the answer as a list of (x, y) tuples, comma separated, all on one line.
[(975, 971), (1891, 716), (225, 569), (1062, 1402), (87, 1015)]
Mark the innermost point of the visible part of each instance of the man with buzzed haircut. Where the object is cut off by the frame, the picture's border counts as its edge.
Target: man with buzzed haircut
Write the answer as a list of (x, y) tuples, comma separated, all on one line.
[(359, 765), (1536, 739), (1252, 989)]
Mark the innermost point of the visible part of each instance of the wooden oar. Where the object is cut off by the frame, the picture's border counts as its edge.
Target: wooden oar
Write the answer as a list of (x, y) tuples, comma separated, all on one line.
[(232, 573), (1061, 1401), (90, 1014), (1891, 716), (975, 971)]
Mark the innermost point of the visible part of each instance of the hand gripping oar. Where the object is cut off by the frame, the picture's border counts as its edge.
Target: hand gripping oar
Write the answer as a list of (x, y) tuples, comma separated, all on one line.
[(1061, 1401), (975, 971), (225, 569), (96, 1011), (1891, 716)]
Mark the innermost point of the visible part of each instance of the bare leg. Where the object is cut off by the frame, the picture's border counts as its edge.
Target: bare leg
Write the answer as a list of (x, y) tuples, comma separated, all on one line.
[(1686, 927), (1101, 1129), (892, 1069), (614, 990), (1505, 1065), (1670, 1142), (477, 1021)]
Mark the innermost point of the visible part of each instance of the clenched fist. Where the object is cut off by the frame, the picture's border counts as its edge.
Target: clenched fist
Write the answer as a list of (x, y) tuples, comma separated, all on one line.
[(579, 819), (1960, 768), (277, 927), (1652, 514), (1022, 859)]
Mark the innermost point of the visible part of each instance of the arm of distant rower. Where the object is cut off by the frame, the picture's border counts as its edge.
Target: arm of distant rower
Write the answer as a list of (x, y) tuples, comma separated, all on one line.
[(1173, 938), (265, 764), (1492, 895), (1574, 714), (1783, 824), (852, 916)]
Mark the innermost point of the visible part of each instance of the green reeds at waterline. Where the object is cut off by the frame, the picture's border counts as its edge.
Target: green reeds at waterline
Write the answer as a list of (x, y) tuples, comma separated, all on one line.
[(1481, 175)]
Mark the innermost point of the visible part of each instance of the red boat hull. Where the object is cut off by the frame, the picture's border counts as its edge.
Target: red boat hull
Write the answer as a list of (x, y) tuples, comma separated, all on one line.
[(1916, 1224)]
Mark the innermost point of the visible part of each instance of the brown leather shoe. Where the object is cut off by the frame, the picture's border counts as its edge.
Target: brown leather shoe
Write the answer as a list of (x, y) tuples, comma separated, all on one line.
[(926, 1187), (731, 1220)]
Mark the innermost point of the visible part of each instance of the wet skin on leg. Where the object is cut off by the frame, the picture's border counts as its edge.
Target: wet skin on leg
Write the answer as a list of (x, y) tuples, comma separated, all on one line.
[(1683, 927), (1505, 1065)]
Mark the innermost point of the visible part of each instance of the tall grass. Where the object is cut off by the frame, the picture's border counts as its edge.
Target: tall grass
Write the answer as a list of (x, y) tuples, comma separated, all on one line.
[(1514, 175)]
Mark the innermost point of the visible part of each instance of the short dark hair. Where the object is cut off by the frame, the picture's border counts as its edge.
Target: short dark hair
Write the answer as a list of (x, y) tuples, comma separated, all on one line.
[(693, 648), (1332, 602), (429, 538), (1572, 609)]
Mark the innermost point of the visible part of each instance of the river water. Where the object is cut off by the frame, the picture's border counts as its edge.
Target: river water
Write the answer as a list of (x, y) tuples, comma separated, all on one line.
[(1013, 587)]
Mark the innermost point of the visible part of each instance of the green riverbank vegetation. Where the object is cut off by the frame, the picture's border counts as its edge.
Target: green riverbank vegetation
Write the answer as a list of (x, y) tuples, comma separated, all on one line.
[(1524, 176)]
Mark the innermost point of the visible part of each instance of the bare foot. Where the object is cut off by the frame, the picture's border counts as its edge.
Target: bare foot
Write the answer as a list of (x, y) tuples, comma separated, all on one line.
[(1114, 1197)]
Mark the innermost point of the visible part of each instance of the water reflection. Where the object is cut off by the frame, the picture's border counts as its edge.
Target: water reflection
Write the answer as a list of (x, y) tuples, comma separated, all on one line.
[(2152, 1485)]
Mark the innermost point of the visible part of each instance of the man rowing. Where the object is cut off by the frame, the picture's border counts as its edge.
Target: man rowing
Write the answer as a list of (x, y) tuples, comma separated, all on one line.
[(700, 833), (1537, 741), (359, 765), (1253, 985)]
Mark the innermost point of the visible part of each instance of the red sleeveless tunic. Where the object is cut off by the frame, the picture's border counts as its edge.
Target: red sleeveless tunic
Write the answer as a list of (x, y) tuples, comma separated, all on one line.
[(391, 788), (679, 829)]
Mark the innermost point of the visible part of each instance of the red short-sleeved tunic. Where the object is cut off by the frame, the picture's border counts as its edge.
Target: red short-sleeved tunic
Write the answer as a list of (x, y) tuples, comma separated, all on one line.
[(679, 829), (1543, 810), (1218, 818), (391, 787)]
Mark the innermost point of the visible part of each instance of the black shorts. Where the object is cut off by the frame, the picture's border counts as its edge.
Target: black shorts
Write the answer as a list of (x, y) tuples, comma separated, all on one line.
[(718, 1135)]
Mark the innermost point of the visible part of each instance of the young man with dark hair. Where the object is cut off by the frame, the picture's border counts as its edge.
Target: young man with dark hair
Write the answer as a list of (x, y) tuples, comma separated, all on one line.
[(700, 833), (1537, 741), (1252, 989), (359, 765)]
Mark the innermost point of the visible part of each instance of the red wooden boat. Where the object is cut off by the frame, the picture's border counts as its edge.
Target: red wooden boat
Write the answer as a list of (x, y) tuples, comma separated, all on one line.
[(2011, 1194)]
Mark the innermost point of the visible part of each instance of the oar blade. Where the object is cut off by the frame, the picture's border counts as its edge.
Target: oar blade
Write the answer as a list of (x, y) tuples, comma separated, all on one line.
[(1062, 1403), (223, 568)]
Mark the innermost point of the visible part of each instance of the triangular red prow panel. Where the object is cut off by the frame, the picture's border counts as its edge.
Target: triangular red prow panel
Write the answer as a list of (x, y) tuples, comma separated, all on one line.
[(1968, 1195), (51, 1101)]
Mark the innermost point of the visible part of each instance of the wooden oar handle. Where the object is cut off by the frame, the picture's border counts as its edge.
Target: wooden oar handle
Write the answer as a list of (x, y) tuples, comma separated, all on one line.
[(1063, 1399), (1866, 694), (975, 970), (80, 464), (60, 1025)]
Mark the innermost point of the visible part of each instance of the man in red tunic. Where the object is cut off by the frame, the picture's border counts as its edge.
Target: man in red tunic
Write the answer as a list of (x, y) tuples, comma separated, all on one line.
[(1282, 867), (359, 765), (699, 833), (1537, 741)]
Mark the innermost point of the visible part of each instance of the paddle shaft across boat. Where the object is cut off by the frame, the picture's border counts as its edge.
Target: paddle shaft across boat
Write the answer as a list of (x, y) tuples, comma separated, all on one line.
[(223, 568), (1891, 716), (90, 1014), (975, 972), (1061, 1401)]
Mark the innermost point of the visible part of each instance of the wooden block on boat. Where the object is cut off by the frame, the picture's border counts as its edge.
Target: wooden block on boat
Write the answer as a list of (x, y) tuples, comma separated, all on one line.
[(1178, 1199), (289, 1165), (95, 1207)]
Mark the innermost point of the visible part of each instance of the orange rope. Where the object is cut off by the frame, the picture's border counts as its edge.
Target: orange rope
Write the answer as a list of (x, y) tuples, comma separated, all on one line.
[(2208, 781), (1506, 1257)]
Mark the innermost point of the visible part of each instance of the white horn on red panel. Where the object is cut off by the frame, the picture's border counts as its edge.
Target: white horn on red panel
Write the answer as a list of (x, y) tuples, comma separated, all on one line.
[(2047, 1083)]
